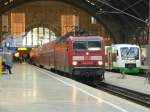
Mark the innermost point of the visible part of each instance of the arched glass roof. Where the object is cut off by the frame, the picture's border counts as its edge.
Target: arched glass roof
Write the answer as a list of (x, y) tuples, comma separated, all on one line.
[(128, 14)]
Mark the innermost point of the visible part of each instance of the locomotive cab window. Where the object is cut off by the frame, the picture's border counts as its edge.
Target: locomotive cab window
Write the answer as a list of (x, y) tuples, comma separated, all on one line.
[(131, 53), (81, 46), (94, 46)]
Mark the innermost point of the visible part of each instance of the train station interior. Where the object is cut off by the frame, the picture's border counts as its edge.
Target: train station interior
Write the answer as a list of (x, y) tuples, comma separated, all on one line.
[(74, 56)]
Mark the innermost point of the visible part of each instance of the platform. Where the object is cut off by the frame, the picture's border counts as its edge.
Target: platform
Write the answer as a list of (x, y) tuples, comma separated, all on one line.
[(31, 89), (132, 82)]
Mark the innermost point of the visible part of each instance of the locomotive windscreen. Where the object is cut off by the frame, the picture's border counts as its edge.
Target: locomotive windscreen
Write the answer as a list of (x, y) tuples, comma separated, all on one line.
[(80, 46), (129, 53)]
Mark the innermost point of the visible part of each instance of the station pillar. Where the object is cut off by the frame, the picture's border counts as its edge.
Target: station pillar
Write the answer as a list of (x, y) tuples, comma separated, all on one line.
[(1, 67), (148, 47), (0, 28), (149, 22)]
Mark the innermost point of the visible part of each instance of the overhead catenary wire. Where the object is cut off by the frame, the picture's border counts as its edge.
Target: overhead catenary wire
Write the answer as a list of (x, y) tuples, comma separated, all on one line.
[(137, 2), (121, 11)]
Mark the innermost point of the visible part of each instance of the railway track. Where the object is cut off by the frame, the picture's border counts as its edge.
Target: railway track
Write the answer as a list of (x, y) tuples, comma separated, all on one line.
[(140, 98)]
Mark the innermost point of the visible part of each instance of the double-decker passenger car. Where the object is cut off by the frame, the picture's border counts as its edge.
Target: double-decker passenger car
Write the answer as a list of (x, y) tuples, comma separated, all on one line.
[(81, 56), (123, 57)]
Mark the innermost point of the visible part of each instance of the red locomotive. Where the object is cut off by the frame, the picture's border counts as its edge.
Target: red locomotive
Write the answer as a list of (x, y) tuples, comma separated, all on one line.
[(79, 56)]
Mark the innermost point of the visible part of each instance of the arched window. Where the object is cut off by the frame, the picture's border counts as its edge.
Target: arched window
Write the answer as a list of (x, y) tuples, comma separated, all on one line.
[(38, 36)]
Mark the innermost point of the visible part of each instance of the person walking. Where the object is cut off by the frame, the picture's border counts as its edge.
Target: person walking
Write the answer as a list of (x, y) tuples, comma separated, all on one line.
[(8, 61)]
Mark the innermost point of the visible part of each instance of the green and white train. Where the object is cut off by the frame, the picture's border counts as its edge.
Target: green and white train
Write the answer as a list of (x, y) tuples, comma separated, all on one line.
[(125, 58)]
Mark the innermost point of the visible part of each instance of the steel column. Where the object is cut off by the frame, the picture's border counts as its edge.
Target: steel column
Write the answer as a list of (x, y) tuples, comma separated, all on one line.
[(0, 28), (148, 47), (149, 23)]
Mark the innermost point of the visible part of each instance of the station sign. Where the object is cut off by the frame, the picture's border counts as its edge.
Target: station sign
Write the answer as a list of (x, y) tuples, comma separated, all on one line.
[(22, 49)]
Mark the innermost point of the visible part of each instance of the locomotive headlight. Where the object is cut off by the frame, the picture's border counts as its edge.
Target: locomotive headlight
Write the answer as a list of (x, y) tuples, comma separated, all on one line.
[(87, 53), (74, 63), (100, 62)]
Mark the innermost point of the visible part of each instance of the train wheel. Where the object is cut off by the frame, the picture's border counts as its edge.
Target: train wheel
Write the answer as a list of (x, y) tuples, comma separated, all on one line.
[(41, 66), (51, 69), (71, 76), (66, 74)]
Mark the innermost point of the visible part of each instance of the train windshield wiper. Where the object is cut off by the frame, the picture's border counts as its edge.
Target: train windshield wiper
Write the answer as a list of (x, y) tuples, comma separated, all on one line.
[(128, 52)]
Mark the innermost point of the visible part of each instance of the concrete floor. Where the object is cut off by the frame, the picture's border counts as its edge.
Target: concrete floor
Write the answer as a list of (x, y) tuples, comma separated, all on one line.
[(31, 89)]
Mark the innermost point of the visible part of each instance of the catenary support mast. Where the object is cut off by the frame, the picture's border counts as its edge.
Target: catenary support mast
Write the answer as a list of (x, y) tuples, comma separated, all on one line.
[(148, 48)]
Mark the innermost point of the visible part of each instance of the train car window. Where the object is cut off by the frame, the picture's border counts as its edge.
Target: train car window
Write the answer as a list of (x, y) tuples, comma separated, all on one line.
[(79, 46), (94, 45)]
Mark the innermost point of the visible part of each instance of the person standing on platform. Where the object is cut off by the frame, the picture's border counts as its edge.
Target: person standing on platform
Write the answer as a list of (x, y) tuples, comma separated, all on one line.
[(9, 61)]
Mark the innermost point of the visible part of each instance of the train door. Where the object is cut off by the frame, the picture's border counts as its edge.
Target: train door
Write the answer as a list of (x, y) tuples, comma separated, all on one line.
[(108, 59), (115, 58)]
